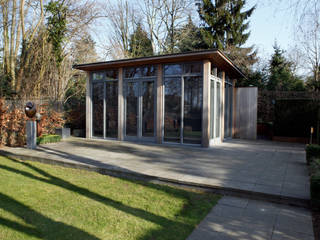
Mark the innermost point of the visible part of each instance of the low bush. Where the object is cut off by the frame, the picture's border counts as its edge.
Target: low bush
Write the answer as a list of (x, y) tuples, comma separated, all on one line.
[(312, 152), (13, 122), (48, 139), (315, 189)]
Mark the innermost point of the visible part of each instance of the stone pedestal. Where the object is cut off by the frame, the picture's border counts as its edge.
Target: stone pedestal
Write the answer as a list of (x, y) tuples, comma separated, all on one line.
[(63, 132), (31, 134)]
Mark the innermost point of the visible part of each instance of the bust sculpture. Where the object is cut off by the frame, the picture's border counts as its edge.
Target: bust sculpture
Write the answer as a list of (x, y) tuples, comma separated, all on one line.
[(30, 109)]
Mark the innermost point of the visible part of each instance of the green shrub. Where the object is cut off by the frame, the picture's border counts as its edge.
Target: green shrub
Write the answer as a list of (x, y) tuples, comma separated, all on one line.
[(314, 167), (312, 152), (315, 189), (48, 139)]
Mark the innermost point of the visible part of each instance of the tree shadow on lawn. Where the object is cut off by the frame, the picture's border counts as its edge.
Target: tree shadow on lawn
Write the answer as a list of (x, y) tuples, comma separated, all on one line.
[(40, 222), (21, 210)]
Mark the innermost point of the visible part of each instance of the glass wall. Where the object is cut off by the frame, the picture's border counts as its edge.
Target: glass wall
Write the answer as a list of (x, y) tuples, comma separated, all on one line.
[(111, 109), (139, 85), (105, 104), (97, 113), (228, 108), (172, 109), (148, 109), (215, 108), (183, 119)]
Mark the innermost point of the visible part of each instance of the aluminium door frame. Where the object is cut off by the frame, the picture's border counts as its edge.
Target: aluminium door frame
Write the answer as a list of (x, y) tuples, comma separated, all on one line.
[(139, 136)]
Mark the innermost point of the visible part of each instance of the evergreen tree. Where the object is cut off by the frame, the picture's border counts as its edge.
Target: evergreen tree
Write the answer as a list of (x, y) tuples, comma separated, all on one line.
[(57, 27), (190, 38), (225, 22), (225, 26), (140, 45), (281, 76)]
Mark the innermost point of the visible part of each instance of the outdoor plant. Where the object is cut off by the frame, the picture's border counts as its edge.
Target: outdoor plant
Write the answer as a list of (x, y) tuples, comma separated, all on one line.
[(48, 139), (13, 123), (315, 189), (312, 151)]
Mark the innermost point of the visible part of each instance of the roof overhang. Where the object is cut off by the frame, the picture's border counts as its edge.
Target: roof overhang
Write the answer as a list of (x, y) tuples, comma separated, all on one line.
[(217, 57)]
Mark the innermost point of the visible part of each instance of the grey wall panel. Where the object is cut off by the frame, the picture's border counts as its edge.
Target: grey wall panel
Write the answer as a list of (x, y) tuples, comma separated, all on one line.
[(246, 113)]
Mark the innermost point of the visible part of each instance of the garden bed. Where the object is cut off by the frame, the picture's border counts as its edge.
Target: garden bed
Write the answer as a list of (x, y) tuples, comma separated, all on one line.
[(40, 201)]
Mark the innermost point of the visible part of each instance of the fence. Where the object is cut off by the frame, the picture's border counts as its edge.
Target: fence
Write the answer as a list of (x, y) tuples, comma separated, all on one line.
[(288, 115)]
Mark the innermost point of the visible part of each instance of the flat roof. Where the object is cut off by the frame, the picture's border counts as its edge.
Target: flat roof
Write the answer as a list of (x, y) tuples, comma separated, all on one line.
[(217, 57)]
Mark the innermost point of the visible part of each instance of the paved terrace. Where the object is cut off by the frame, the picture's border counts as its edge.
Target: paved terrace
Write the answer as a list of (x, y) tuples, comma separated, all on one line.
[(271, 168)]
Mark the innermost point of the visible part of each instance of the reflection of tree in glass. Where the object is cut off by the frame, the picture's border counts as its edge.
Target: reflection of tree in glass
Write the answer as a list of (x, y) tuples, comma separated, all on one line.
[(172, 119), (97, 102), (132, 111), (148, 109), (111, 109)]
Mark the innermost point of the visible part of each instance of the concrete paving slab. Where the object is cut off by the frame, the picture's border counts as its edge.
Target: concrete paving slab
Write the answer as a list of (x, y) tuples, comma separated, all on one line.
[(238, 218), (261, 167)]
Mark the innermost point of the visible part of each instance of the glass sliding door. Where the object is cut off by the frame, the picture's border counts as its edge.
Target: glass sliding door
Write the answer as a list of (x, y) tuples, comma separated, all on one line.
[(148, 110), (218, 110), (132, 100), (140, 109), (183, 96), (192, 113), (226, 110), (172, 114), (104, 95), (215, 109), (111, 109), (97, 111), (212, 109)]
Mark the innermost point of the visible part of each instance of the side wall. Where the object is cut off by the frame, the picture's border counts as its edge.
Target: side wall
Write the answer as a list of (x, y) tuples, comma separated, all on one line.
[(246, 100)]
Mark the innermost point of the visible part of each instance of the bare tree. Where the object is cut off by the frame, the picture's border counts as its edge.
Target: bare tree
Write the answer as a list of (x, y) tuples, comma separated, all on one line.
[(14, 23), (122, 19), (151, 10), (308, 35), (174, 15)]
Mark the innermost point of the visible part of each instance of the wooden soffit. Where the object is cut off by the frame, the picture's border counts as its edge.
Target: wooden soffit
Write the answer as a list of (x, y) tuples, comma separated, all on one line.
[(216, 57)]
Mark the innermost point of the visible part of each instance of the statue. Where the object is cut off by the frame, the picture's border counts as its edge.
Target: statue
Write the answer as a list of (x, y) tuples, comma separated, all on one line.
[(30, 109)]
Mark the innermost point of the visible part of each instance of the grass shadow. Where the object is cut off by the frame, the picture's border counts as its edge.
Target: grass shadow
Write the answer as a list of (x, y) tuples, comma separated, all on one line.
[(16, 208), (38, 220)]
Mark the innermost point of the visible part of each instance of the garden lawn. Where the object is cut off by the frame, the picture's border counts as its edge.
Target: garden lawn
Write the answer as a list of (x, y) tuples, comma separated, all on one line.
[(40, 201)]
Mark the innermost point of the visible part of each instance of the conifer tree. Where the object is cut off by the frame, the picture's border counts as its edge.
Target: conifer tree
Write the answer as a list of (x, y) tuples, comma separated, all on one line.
[(281, 76), (225, 23), (140, 45), (190, 38), (225, 26)]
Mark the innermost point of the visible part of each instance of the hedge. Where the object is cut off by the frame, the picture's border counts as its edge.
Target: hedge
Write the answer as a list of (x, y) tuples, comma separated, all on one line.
[(48, 139), (315, 189), (312, 151)]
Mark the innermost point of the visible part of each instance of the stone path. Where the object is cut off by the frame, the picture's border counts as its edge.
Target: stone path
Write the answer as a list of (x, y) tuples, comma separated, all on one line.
[(242, 219)]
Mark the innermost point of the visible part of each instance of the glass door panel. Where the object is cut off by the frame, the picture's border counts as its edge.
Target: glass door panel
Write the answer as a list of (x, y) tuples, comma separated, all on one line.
[(172, 114), (148, 109), (226, 110), (97, 111), (218, 109), (212, 109), (192, 113), (111, 109), (132, 100)]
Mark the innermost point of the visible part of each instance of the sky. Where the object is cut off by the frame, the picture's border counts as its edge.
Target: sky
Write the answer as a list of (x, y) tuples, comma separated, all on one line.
[(271, 21)]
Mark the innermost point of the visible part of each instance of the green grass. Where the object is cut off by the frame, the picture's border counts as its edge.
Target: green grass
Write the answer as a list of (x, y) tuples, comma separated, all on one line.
[(39, 201), (48, 139)]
